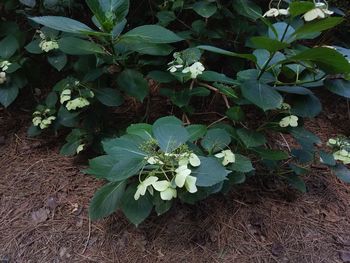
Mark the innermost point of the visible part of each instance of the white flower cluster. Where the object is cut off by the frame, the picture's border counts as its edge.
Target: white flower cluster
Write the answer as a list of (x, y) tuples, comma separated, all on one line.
[(319, 12), (291, 121), (42, 119), (73, 104), (47, 45), (4, 65), (275, 12), (343, 152), (227, 157), (182, 177), (195, 69)]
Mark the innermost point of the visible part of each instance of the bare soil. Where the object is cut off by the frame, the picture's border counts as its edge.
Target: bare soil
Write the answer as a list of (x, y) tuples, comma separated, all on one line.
[(44, 200)]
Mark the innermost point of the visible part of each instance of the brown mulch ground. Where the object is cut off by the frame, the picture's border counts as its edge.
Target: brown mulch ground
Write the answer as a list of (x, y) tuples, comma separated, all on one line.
[(44, 199)]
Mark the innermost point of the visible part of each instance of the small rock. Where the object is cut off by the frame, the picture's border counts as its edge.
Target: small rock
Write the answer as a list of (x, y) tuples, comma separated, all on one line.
[(277, 249), (63, 251), (40, 215), (52, 202), (345, 256)]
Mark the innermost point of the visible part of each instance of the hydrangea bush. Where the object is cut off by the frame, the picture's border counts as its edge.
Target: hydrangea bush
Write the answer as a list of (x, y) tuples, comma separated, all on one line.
[(270, 57)]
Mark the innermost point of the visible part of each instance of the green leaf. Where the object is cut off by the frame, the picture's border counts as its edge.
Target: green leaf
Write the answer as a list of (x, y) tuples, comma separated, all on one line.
[(227, 53), (212, 76), (210, 172), (297, 183), (67, 118), (205, 8), (109, 97), (133, 83), (126, 167), (109, 12), (142, 47), (216, 140), (77, 46), (8, 47), (242, 164), (300, 7), (106, 200), (342, 172), (327, 158), (136, 210), (64, 24), (196, 131), (317, 26), (143, 130), (161, 76), (247, 8), (308, 106), (340, 87), (58, 60), (169, 133), (152, 34), (161, 206), (327, 59), (269, 154), (101, 166), (251, 138), (51, 99), (70, 148), (261, 95), (33, 47), (235, 113), (8, 93), (127, 146), (269, 44)]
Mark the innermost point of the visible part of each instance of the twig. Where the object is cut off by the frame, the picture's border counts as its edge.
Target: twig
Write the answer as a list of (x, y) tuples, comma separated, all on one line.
[(287, 144), (88, 238), (219, 120)]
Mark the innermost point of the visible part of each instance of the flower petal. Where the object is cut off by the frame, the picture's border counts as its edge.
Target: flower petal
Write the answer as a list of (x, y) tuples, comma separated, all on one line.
[(161, 186), (194, 160), (190, 184), (168, 194)]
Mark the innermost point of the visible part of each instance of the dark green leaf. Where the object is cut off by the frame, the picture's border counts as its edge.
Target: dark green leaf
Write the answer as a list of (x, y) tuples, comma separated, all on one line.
[(205, 8), (242, 164), (216, 140), (133, 83), (8, 47), (251, 138), (227, 53), (269, 154), (210, 172), (261, 95), (169, 135), (106, 200), (327, 158), (340, 87), (109, 97), (235, 113), (77, 46), (58, 60), (196, 131), (269, 44), (317, 26), (136, 210), (342, 172), (297, 183)]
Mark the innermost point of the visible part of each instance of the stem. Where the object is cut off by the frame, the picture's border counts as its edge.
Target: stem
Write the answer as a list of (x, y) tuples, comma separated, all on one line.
[(263, 70)]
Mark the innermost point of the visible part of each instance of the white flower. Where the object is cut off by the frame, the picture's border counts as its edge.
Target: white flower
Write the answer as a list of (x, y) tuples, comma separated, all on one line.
[(174, 68), (167, 192), (274, 12), (183, 178), (320, 11), (65, 95), (191, 159), (2, 77), (228, 157), (332, 142), (285, 106), (195, 69), (80, 148), (291, 121), (48, 45), (154, 160), (4, 65), (79, 102), (36, 121), (343, 156), (46, 122), (142, 187)]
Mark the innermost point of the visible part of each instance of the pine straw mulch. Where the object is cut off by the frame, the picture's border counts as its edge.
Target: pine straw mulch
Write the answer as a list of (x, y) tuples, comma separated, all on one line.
[(44, 199)]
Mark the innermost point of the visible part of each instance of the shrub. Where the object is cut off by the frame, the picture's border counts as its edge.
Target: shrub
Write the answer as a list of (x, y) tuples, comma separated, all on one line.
[(268, 61)]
